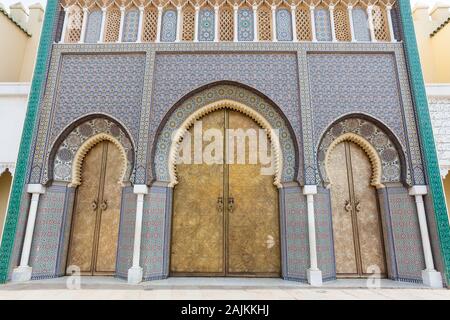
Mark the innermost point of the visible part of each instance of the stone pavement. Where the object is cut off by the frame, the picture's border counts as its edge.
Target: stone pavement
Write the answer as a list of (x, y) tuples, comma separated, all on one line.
[(217, 288)]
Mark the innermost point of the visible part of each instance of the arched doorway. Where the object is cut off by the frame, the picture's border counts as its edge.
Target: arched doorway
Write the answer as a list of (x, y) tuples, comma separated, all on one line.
[(357, 229), (225, 213), (95, 222)]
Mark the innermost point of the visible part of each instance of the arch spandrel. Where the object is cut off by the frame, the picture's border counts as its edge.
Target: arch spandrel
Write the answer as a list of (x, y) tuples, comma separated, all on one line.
[(386, 155)]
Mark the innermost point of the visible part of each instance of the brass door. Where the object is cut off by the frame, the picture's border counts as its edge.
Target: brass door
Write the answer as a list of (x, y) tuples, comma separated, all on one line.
[(225, 216), (95, 224), (358, 240)]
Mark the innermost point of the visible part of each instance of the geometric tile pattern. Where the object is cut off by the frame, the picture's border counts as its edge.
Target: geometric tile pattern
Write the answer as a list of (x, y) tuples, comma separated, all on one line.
[(131, 25), (189, 106), (245, 25), (405, 228), (93, 27), (206, 25), (272, 74), (324, 233), (169, 26), (387, 152), (360, 24), (284, 25), (62, 167), (323, 24)]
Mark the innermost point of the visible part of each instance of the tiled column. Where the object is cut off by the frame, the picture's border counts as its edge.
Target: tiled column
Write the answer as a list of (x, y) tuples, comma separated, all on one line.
[(274, 23), (294, 23), (122, 23), (64, 28), (314, 275), (333, 28), (135, 272), (255, 22), (197, 13), (390, 25), (350, 18), (179, 29), (23, 271), (430, 276), (235, 20), (84, 25), (102, 27), (158, 25), (371, 27), (313, 23)]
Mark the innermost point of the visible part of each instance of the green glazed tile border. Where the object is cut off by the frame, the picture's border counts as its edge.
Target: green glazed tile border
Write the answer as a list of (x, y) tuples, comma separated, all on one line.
[(37, 86), (426, 133)]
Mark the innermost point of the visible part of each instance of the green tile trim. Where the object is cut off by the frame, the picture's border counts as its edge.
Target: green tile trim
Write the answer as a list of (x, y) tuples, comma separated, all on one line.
[(37, 87), (426, 133)]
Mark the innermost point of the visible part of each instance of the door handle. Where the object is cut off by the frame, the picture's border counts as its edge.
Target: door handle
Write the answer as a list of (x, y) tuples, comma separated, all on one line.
[(94, 205), (358, 206), (104, 205), (230, 204), (348, 206), (220, 204)]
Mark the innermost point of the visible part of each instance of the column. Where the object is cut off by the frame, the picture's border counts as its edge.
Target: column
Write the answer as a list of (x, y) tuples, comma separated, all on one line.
[(294, 23), (350, 20), (216, 23), (314, 275), (371, 27), (179, 29), (197, 12), (274, 23), (84, 25), (333, 28), (102, 27), (23, 271), (140, 24), (430, 276), (235, 20), (255, 22), (64, 28), (135, 272), (122, 23), (158, 26), (313, 23), (390, 25)]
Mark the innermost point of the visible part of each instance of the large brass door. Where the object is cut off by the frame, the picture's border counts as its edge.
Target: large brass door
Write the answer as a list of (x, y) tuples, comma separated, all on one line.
[(358, 240), (95, 224), (225, 216)]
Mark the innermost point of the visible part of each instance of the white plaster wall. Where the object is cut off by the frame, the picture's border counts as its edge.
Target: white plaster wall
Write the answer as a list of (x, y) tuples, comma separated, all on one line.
[(13, 106), (439, 105)]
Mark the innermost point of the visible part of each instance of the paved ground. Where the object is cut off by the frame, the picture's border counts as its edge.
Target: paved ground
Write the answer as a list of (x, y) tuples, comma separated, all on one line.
[(216, 288)]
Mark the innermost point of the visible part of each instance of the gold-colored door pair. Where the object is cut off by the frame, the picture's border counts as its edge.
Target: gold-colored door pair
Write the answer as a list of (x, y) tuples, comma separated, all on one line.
[(225, 216), (95, 222), (357, 231)]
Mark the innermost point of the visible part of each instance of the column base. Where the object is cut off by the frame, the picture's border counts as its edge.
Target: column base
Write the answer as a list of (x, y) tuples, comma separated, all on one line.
[(21, 274), (135, 275), (314, 277), (432, 278)]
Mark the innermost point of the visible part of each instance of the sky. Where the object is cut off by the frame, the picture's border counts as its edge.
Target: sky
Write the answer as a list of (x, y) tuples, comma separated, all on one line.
[(7, 3)]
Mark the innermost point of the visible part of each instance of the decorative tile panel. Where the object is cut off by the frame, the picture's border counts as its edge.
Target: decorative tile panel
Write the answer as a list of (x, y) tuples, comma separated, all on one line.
[(324, 234), (131, 25), (93, 27), (284, 25), (169, 26), (206, 25), (360, 24), (245, 25), (323, 24)]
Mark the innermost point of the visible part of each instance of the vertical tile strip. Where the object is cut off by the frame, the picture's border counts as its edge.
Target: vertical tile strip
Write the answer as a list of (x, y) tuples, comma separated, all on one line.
[(426, 133), (37, 86)]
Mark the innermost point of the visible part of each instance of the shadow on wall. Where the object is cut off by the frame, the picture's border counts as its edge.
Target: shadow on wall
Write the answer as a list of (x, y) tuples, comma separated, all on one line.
[(5, 188)]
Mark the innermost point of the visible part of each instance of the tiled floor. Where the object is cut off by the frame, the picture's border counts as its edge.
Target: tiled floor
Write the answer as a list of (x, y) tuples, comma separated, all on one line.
[(215, 288)]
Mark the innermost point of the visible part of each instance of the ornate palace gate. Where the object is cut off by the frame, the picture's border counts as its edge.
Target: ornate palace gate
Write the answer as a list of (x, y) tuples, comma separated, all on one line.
[(357, 230), (225, 216), (95, 226)]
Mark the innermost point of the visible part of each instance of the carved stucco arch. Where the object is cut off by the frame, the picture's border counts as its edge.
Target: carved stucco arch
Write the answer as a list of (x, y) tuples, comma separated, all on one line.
[(232, 105), (374, 159), (86, 147)]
